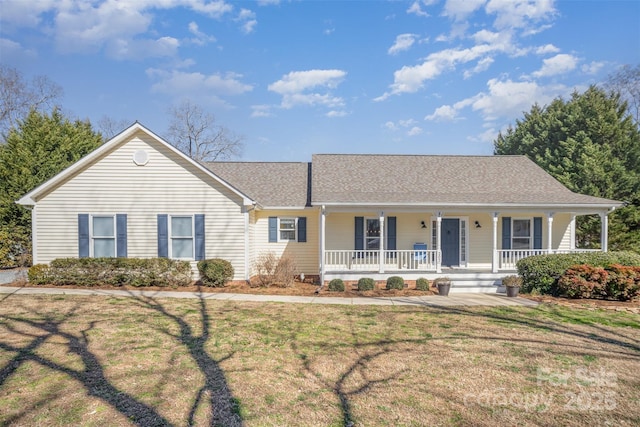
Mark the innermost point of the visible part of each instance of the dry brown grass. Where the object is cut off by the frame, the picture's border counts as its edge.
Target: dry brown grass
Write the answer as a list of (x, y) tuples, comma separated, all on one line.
[(68, 360)]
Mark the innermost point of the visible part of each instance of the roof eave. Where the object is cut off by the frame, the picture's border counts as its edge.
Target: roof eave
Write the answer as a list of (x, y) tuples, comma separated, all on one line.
[(30, 199)]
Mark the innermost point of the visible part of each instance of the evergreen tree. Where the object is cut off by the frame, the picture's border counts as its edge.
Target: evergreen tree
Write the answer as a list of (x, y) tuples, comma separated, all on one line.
[(37, 149), (590, 144)]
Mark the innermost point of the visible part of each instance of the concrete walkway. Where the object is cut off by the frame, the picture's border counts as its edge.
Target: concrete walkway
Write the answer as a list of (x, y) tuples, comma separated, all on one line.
[(471, 299)]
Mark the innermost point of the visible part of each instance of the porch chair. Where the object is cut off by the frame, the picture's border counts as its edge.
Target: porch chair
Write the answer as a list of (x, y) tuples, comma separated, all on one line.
[(420, 252)]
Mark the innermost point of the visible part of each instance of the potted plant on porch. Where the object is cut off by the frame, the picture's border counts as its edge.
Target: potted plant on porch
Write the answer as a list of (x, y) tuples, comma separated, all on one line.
[(512, 284), (443, 284)]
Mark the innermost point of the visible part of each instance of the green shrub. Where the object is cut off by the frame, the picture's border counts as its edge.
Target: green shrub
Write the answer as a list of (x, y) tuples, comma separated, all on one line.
[(366, 284), (215, 272), (112, 272), (422, 284), (613, 282), (512, 281), (540, 273), (15, 247), (395, 282), (336, 285)]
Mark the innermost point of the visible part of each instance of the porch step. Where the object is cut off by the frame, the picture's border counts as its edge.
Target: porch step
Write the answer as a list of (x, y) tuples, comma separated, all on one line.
[(476, 285)]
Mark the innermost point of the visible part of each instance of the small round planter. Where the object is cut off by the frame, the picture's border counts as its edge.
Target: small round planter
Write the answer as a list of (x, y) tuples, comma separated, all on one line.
[(444, 288), (512, 291)]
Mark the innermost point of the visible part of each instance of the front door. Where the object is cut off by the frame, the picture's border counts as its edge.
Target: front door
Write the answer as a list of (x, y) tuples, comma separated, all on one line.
[(450, 244)]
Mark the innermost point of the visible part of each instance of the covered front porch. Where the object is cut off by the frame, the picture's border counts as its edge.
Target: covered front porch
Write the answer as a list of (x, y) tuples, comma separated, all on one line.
[(481, 245)]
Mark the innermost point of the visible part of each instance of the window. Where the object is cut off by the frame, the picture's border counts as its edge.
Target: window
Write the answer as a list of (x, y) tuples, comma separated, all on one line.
[(372, 234), (103, 236), (287, 229), (521, 234), (181, 236)]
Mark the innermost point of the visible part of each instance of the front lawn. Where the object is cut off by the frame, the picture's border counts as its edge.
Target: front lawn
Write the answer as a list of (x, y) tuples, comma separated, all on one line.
[(69, 360)]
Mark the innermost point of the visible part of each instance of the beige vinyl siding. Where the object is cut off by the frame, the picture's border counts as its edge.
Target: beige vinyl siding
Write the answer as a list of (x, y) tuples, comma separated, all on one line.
[(167, 184), (305, 254), (561, 238)]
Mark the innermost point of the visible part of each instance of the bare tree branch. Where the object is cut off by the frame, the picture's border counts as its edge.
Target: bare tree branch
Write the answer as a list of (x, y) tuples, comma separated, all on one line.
[(110, 127), (195, 132), (626, 82), (18, 97)]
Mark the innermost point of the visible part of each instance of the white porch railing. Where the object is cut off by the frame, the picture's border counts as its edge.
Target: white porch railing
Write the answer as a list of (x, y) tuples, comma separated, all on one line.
[(507, 258), (407, 260)]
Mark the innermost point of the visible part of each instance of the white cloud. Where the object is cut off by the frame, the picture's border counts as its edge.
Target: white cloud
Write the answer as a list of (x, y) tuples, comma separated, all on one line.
[(593, 67), (336, 113), (248, 20), (559, 64), (522, 14), (408, 126), (414, 131), (303, 88), (180, 84), (403, 42), (261, 111), (134, 49), (481, 66), (416, 7), (200, 37), (117, 26), (12, 49), (548, 48), (410, 79), (460, 9), (506, 98), (443, 113)]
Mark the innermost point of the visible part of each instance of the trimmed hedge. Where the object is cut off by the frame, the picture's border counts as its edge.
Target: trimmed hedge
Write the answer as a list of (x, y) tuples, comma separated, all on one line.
[(613, 282), (336, 285), (112, 272), (540, 273), (395, 282), (422, 284), (366, 284), (215, 272)]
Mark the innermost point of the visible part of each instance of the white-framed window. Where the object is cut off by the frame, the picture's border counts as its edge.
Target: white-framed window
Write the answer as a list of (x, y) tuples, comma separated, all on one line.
[(521, 233), (287, 229), (103, 236), (181, 237), (372, 234)]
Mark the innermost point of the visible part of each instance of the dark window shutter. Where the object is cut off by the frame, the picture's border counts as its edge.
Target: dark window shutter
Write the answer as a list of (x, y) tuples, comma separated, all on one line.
[(359, 234), (83, 235), (506, 232), (537, 232), (273, 229), (163, 236), (198, 220), (391, 233), (121, 235), (302, 229)]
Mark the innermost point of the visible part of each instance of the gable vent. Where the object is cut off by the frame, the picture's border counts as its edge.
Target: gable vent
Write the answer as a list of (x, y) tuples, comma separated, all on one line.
[(141, 157)]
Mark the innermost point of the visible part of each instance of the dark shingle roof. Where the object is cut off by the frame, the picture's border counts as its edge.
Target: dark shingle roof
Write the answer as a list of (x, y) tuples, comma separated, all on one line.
[(432, 180), (368, 179), (271, 184)]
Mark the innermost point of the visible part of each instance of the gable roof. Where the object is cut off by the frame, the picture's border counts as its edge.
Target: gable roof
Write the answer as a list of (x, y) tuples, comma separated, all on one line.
[(440, 180), (30, 198), (271, 184)]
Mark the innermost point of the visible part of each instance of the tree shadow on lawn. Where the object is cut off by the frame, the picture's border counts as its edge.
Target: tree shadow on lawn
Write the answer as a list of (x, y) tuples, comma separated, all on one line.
[(91, 375), (223, 406)]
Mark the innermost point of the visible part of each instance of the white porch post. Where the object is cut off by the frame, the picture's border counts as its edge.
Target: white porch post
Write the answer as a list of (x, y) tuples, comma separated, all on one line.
[(549, 232), (438, 242), (247, 273), (381, 250), (494, 257), (604, 231), (572, 227), (322, 243)]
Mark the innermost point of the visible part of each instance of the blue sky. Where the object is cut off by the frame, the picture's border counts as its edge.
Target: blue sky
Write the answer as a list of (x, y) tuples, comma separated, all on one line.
[(301, 77)]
